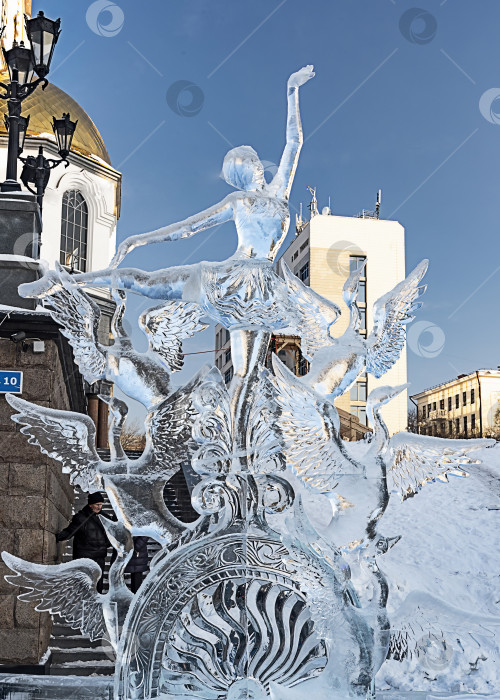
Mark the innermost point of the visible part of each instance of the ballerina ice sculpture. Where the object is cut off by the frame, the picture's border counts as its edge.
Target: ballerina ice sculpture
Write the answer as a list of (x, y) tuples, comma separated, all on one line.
[(252, 600), (243, 293)]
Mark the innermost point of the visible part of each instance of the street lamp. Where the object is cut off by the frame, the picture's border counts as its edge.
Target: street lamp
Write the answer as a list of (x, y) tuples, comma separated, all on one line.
[(63, 130), (22, 62), (43, 34), (23, 128), (37, 169)]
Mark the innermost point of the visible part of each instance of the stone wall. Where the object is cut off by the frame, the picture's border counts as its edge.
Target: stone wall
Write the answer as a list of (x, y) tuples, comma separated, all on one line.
[(35, 499)]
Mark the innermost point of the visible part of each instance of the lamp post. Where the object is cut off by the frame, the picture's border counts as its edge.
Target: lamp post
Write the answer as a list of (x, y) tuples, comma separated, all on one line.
[(37, 169), (22, 62)]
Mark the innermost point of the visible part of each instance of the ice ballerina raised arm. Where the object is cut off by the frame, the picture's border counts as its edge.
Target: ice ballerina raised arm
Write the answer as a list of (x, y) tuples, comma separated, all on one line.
[(242, 169)]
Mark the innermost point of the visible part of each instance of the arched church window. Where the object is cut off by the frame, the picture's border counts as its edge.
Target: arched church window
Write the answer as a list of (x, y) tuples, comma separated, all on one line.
[(74, 231)]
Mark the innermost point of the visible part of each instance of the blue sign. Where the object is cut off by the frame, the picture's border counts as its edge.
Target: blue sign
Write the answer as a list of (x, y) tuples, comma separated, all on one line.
[(11, 382)]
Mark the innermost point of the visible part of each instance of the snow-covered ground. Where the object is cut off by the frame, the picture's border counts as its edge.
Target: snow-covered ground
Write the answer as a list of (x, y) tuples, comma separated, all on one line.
[(450, 550)]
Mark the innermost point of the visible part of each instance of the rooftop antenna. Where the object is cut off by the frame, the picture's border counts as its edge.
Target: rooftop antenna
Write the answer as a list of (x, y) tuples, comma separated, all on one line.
[(313, 205), (326, 211), (377, 206)]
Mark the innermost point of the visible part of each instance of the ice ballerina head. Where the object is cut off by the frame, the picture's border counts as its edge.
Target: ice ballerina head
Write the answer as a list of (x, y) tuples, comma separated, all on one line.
[(243, 169)]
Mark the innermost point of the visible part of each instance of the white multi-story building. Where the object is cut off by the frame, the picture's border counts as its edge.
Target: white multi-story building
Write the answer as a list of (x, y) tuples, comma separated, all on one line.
[(326, 249), (468, 406)]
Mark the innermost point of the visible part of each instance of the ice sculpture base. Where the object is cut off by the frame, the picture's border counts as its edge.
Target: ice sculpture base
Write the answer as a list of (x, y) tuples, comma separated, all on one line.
[(23, 687)]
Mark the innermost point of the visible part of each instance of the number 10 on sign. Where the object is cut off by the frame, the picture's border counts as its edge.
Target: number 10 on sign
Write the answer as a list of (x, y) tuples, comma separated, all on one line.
[(11, 382)]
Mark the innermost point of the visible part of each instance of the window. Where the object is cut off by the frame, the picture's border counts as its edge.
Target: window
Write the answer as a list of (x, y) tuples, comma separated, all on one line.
[(423, 411), (449, 403), (464, 397), (358, 391), (360, 413), (304, 272), (472, 395), (457, 425), (428, 409), (473, 421), (450, 427), (465, 425), (304, 245), (355, 262), (227, 357), (362, 292), (228, 375), (457, 401), (74, 231), (228, 336), (433, 405), (441, 404)]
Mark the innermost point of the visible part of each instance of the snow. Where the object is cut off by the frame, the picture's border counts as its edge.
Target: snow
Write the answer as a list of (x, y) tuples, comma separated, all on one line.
[(19, 310), (450, 548), (8, 257)]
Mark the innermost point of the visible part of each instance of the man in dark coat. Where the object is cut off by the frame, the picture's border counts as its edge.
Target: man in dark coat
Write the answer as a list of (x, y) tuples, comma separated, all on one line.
[(139, 563), (89, 536)]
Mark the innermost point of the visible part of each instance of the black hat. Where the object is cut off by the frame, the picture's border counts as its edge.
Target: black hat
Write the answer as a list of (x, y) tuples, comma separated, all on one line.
[(96, 497)]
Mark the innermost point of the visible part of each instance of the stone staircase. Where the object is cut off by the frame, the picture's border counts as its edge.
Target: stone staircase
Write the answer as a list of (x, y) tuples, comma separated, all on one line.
[(71, 652)]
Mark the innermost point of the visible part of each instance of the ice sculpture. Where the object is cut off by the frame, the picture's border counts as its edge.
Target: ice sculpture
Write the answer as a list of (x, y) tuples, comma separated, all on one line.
[(252, 600)]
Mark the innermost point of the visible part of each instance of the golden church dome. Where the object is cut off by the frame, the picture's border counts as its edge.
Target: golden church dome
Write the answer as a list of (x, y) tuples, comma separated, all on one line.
[(42, 105)]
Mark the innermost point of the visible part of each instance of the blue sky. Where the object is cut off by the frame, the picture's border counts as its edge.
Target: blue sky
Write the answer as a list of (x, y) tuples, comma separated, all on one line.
[(394, 105)]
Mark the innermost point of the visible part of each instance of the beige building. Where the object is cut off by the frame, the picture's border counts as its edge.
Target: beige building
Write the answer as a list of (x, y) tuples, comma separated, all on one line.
[(325, 251), (468, 406)]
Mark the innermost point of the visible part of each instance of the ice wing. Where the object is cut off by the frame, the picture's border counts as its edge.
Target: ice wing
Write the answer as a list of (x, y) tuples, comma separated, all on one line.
[(169, 427), (79, 317), (417, 459), (263, 441), (314, 314), (390, 315), (311, 433), (67, 590), (63, 435), (166, 327), (422, 619)]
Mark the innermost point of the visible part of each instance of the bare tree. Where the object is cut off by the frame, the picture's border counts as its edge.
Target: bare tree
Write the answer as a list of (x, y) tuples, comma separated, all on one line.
[(133, 436), (412, 426)]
